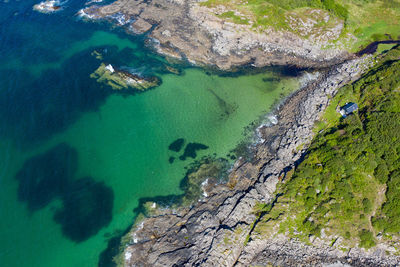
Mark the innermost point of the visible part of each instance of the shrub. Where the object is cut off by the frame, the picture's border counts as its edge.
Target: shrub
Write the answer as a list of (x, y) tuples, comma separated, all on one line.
[(367, 205), (366, 238), (381, 172)]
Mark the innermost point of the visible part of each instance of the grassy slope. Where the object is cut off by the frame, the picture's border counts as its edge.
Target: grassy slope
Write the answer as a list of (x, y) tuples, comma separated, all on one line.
[(364, 20), (349, 183)]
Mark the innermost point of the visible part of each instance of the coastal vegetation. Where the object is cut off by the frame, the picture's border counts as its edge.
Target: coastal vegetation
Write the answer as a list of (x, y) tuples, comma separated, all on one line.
[(348, 184), (357, 22)]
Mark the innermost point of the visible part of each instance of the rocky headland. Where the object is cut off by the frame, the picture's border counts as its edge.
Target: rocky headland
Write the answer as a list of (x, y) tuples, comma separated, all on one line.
[(189, 31)]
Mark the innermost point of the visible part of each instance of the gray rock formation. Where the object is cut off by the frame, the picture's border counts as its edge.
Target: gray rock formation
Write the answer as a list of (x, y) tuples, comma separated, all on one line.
[(186, 30)]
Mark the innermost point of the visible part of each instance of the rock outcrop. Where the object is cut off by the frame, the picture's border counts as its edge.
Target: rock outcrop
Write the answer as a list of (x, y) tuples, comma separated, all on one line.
[(123, 80), (48, 6), (186, 30), (217, 230)]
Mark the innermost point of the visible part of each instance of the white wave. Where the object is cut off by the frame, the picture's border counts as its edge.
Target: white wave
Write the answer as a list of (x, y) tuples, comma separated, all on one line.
[(82, 14), (308, 77), (49, 6), (121, 19), (93, 1)]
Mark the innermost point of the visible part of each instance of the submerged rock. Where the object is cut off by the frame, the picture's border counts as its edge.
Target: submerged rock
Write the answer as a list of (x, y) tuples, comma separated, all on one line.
[(97, 55), (123, 80), (173, 70)]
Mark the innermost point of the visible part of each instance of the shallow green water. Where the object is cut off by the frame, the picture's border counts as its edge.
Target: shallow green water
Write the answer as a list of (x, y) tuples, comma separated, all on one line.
[(120, 142)]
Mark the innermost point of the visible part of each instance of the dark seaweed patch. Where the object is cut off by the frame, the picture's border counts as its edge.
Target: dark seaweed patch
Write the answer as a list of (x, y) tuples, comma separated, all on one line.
[(227, 108), (177, 145), (33, 109), (114, 247), (190, 150), (270, 79), (86, 204), (86, 209), (46, 176)]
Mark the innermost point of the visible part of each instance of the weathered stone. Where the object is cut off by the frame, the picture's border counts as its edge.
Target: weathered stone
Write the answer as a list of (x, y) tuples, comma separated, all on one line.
[(186, 30), (141, 26), (122, 80)]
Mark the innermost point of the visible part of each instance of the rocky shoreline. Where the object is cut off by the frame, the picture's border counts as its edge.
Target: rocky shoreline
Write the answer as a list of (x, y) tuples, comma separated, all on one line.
[(186, 30), (217, 230)]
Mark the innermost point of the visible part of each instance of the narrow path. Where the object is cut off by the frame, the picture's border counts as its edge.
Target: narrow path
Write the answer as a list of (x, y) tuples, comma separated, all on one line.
[(380, 198)]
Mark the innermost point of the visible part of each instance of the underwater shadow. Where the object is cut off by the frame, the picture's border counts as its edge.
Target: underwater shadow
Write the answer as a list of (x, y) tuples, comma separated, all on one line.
[(34, 109), (191, 150), (46, 176), (87, 207), (86, 203)]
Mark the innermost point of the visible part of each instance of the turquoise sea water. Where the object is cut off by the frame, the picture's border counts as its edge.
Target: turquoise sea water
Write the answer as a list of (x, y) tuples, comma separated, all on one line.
[(75, 157)]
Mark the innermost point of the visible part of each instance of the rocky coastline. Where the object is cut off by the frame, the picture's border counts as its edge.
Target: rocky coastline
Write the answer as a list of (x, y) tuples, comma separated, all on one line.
[(186, 30), (217, 231)]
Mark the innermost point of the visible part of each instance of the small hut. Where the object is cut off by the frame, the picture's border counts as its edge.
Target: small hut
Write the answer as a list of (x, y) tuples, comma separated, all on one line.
[(348, 109)]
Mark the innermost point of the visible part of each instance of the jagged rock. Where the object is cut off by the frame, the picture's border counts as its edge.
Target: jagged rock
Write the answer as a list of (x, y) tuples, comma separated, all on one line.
[(48, 6), (122, 80), (141, 26)]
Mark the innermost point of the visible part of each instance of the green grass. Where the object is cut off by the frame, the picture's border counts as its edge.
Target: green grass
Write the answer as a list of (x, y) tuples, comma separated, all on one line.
[(349, 182), (364, 20), (384, 47), (236, 19)]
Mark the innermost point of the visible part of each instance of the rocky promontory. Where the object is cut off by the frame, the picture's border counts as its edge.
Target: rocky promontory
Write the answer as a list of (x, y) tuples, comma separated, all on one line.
[(187, 30)]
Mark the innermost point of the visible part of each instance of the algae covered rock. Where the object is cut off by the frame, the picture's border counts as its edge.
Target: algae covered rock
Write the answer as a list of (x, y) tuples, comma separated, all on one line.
[(97, 55), (123, 80), (173, 70)]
